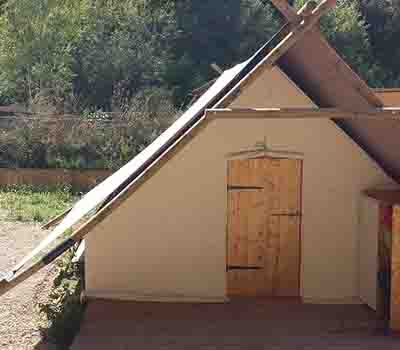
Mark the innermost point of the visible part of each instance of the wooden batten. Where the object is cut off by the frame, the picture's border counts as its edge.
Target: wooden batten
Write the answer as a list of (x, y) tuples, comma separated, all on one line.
[(385, 196), (55, 220), (303, 113)]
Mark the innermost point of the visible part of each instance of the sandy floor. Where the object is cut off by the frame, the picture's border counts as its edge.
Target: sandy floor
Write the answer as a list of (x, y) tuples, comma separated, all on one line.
[(18, 317)]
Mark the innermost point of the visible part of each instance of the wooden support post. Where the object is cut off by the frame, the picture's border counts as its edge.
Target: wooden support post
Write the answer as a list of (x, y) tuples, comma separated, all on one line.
[(395, 285), (56, 219)]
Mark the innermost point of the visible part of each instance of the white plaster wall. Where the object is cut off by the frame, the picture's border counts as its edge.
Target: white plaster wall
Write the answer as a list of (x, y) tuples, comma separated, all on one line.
[(168, 240)]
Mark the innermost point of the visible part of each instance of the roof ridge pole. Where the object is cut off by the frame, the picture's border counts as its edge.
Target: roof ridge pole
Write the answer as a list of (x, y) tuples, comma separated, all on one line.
[(286, 10)]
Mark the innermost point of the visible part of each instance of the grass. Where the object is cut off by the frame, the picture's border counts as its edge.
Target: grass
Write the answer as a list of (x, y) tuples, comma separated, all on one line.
[(35, 203)]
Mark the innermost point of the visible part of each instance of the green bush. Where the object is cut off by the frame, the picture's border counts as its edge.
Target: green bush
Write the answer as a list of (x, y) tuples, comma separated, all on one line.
[(63, 312), (94, 140)]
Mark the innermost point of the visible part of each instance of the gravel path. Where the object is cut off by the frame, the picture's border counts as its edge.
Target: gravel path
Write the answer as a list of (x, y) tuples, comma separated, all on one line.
[(18, 317)]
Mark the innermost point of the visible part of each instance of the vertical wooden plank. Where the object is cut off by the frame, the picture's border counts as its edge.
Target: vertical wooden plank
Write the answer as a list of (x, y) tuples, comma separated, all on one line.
[(395, 285), (273, 185), (257, 172), (293, 185), (257, 232), (232, 171), (287, 182), (284, 198), (237, 283), (237, 230), (257, 285), (272, 258), (287, 281), (246, 172), (256, 215), (256, 253)]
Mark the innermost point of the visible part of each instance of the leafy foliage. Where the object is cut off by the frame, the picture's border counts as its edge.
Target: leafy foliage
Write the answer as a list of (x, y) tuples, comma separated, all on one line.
[(121, 52), (97, 140), (222, 32), (89, 51), (82, 53), (37, 39), (90, 57), (63, 312), (383, 19)]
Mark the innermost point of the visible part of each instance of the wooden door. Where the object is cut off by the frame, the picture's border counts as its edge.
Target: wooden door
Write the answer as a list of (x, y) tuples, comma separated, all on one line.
[(263, 245)]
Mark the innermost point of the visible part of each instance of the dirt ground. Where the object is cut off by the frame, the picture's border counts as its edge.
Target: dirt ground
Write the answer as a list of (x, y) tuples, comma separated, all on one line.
[(271, 324), (19, 326)]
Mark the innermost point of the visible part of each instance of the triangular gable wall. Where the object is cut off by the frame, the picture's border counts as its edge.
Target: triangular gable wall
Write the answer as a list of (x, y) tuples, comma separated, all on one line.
[(272, 89), (167, 241)]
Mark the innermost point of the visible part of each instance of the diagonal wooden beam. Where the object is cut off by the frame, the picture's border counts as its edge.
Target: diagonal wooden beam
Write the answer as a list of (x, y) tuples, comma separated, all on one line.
[(56, 219), (286, 10), (347, 73), (296, 33)]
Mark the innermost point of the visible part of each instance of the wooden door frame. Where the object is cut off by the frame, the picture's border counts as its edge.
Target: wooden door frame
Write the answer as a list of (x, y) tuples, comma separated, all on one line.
[(263, 152), (256, 153)]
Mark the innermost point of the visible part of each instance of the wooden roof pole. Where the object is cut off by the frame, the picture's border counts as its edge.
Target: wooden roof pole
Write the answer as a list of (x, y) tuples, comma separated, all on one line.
[(286, 10), (303, 113), (55, 219)]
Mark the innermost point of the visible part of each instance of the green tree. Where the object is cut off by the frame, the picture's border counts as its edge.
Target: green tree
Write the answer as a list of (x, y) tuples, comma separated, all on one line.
[(123, 49), (215, 31), (36, 42), (383, 18)]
